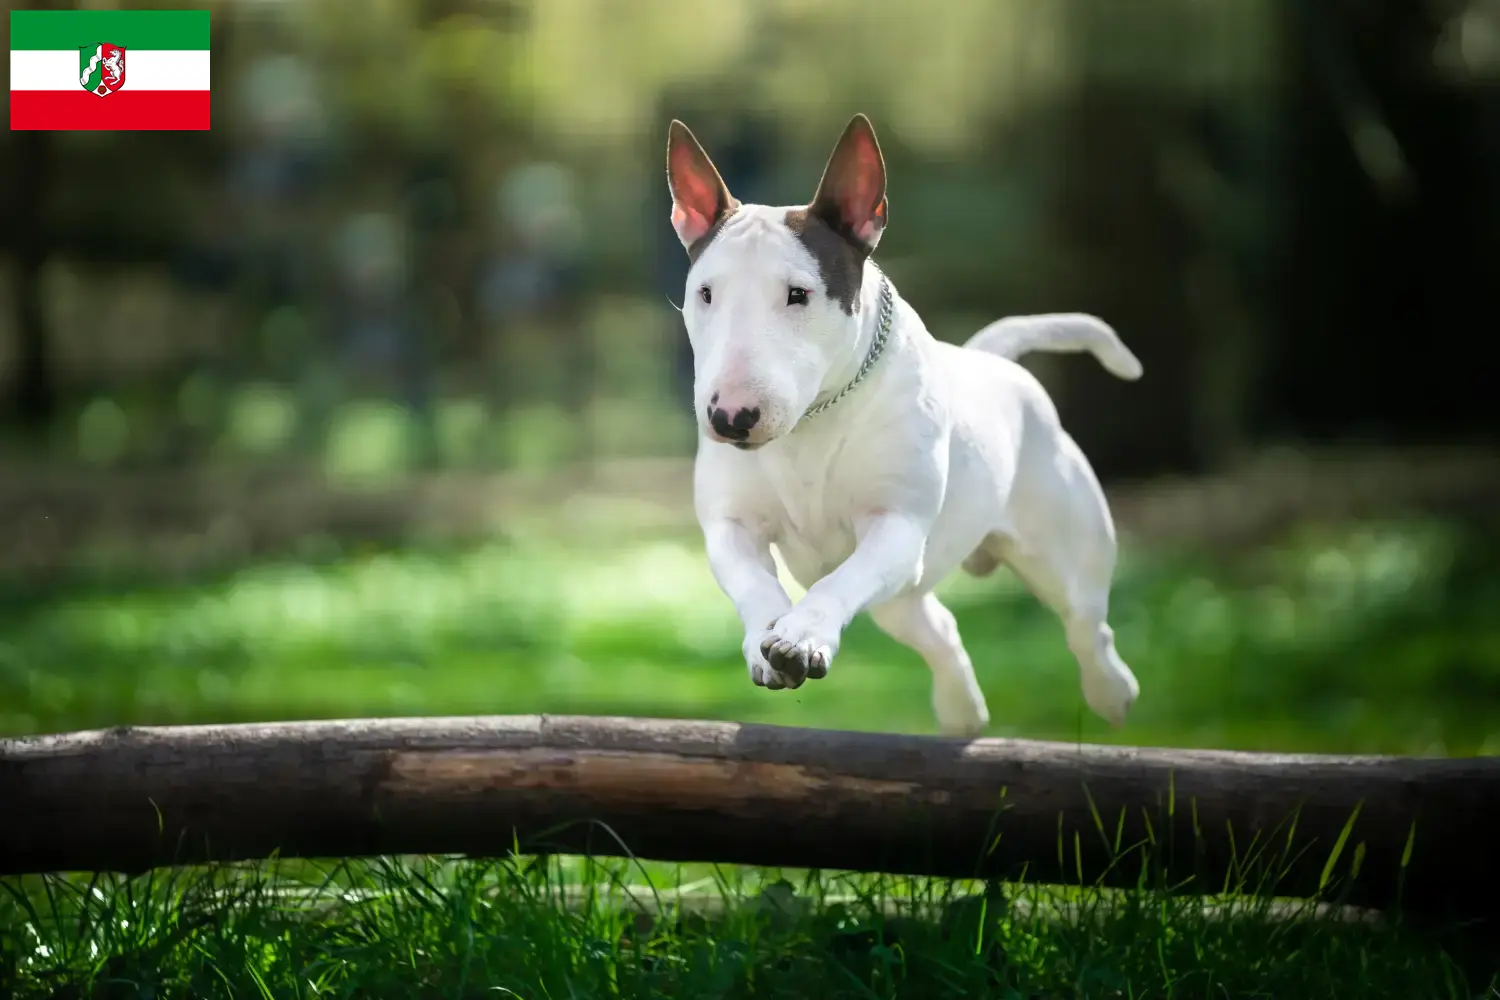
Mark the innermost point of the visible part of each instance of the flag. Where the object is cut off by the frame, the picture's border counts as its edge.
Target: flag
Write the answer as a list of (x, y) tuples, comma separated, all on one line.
[(109, 69)]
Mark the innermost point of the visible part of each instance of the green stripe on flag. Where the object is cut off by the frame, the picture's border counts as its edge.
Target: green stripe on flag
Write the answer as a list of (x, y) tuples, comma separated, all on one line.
[(130, 29)]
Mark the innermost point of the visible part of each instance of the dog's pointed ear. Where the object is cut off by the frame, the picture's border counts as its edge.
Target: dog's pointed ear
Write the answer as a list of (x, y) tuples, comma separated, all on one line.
[(699, 197), (851, 195)]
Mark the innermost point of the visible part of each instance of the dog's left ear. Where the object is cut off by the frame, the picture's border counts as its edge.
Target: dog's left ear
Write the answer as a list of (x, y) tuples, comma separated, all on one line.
[(851, 195)]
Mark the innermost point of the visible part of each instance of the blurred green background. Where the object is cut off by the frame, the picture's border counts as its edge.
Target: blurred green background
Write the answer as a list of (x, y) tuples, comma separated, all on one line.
[(372, 400)]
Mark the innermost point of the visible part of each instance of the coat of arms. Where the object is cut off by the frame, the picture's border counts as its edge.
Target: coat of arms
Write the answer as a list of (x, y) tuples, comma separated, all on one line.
[(101, 68)]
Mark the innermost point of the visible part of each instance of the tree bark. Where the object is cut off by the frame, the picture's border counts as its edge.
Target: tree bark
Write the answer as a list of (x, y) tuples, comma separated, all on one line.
[(132, 798)]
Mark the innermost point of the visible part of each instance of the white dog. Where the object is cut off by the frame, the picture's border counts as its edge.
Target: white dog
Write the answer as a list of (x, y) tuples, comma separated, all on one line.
[(874, 457)]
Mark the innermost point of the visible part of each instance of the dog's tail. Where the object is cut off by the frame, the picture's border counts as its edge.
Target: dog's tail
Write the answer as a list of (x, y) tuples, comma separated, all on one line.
[(1014, 336)]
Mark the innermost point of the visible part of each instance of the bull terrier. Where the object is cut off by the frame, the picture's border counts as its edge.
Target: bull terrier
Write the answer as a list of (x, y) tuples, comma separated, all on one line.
[(876, 458)]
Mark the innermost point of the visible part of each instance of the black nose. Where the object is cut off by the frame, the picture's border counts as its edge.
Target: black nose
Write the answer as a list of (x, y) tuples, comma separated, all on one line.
[(737, 429)]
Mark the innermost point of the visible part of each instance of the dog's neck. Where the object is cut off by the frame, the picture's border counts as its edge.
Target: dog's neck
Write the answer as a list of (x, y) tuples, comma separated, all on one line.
[(840, 376)]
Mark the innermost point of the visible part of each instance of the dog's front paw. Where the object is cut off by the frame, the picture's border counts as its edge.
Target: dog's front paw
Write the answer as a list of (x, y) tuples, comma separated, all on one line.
[(800, 646), (762, 674)]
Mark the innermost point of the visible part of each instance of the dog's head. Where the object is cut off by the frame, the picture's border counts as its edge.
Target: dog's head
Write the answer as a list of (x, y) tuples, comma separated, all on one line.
[(772, 304)]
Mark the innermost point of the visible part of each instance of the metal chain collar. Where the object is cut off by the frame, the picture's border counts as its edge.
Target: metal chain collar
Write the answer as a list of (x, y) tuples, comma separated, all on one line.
[(877, 346)]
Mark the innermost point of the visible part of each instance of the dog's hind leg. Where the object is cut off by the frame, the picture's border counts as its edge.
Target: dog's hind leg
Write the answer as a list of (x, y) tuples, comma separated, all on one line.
[(1065, 553), (921, 622), (1080, 597)]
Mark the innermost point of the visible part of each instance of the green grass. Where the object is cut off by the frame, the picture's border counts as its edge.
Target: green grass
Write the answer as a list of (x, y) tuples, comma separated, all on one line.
[(1370, 638), (1380, 638), (439, 928)]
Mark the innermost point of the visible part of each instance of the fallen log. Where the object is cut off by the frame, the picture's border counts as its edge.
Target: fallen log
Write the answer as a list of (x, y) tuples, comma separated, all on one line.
[(1366, 831)]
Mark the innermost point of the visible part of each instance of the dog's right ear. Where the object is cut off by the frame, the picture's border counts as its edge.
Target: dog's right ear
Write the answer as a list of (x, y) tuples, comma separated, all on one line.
[(699, 196), (851, 195)]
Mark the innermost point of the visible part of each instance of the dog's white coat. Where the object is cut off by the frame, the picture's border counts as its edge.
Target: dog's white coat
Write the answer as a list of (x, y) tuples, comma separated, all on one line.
[(944, 456)]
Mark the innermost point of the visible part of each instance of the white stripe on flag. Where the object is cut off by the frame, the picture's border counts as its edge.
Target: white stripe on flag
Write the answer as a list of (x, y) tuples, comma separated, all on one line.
[(145, 69)]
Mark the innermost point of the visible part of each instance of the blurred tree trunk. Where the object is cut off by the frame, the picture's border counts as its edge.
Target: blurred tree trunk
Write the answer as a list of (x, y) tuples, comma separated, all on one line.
[(1392, 260), (33, 399), (1223, 173), (1171, 202), (1132, 249)]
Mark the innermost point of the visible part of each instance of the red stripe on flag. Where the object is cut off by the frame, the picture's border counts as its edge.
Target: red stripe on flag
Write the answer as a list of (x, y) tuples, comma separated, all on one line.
[(128, 110)]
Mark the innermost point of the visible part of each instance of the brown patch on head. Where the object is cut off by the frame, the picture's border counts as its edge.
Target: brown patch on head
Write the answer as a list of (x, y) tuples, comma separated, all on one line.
[(695, 249), (841, 263)]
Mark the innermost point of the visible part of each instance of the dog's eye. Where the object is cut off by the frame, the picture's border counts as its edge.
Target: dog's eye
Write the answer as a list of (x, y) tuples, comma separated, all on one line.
[(706, 295), (796, 296)]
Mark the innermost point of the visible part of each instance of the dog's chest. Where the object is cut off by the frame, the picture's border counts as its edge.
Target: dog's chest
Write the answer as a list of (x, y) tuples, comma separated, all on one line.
[(813, 511)]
